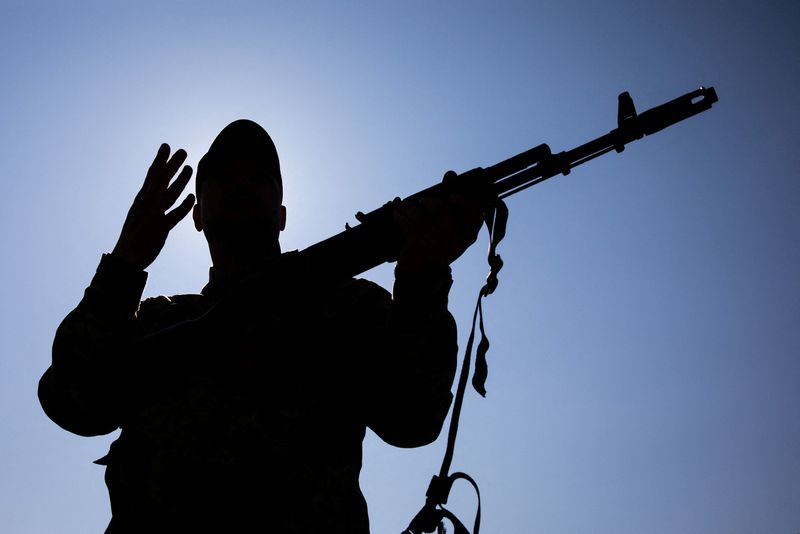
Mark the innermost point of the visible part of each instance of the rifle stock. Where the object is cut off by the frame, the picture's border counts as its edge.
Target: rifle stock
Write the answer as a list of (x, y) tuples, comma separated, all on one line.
[(376, 239)]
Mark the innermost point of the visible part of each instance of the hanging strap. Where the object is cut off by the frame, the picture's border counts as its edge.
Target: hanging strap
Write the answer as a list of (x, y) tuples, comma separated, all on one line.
[(496, 223), (429, 518)]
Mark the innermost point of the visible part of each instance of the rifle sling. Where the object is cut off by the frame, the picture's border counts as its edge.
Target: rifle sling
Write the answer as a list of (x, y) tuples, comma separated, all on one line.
[(429, 518)]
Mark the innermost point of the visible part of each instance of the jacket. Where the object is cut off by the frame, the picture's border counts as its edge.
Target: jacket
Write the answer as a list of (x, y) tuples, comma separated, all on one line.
[(243, 408)]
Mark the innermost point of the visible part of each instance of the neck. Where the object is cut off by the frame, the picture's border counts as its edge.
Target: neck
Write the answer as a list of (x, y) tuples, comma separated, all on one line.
[(234, 258)]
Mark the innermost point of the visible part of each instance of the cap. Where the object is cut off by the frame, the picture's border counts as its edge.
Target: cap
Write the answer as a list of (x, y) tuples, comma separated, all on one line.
[(242, 139)]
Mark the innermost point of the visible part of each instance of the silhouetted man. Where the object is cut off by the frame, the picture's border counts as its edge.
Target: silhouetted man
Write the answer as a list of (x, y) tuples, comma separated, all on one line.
[(243, 408)]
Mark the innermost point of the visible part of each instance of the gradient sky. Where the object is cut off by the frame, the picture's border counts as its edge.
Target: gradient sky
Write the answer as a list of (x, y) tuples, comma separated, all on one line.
[(644, 374)]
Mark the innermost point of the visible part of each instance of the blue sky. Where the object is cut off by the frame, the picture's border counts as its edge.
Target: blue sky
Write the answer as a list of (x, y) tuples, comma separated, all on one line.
[(644, 372)]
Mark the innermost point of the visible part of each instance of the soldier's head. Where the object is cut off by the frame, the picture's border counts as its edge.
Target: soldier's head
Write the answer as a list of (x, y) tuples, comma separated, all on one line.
[(239, 187)]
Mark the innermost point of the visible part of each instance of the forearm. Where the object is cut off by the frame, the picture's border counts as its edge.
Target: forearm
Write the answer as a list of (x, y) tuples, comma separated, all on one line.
[(413, 396), (81, 389)]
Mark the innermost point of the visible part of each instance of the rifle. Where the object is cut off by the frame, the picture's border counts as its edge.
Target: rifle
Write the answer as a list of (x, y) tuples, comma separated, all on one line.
[(377, 240)]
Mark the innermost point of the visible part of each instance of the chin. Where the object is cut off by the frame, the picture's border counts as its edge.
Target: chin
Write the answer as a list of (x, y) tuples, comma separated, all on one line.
[(243, 230)]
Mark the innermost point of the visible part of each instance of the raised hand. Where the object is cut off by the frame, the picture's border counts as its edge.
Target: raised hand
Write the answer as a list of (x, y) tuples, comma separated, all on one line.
[(437, 230), (148, 222)]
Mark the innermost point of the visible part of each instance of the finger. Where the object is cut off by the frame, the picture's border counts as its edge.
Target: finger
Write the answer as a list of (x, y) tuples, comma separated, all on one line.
[(469, 217), (161, 155), (172, 166), (401, 215), (158, 164), (413, 213), (175, 189), (438, 216), (175, 216), (419, 225), (406, 216), (469, 210)]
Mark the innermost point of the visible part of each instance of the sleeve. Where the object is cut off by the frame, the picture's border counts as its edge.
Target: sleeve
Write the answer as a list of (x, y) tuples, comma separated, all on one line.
[(411, 373), (79, 391)]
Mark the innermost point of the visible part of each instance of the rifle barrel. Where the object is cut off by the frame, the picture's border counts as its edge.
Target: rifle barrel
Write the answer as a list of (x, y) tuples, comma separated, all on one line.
[(631, 128)]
